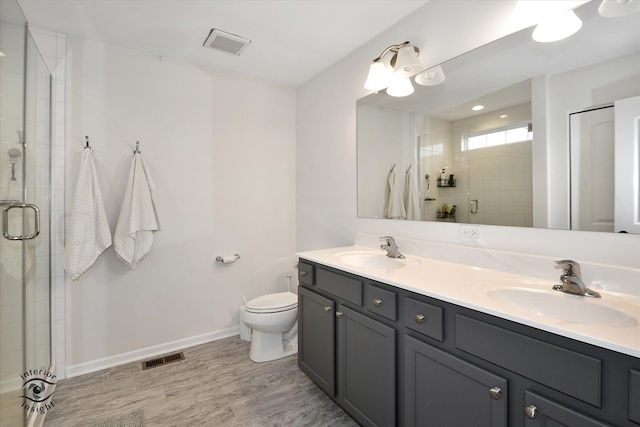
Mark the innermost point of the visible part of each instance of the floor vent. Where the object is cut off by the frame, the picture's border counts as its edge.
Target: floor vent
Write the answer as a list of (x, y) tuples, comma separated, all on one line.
[(163, 360)]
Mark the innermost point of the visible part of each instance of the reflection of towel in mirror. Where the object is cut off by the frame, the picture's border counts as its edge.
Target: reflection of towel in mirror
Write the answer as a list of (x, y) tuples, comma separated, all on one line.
[(138, 218), (393, 205), (88, 234), (411, 199)]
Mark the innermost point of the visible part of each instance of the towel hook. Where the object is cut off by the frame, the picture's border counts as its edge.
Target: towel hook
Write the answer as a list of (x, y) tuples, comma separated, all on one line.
[(86, 137), (137, 147), (393, 167), (409, 168)]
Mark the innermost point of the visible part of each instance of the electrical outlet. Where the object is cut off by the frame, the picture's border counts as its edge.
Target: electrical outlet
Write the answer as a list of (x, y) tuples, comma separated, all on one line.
[(470, 231)]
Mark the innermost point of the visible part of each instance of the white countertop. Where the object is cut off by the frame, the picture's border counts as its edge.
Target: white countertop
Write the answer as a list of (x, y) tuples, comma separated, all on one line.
[(472, 287)]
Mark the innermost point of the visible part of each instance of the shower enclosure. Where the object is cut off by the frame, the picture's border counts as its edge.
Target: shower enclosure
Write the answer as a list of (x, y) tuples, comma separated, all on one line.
[(25, 176)]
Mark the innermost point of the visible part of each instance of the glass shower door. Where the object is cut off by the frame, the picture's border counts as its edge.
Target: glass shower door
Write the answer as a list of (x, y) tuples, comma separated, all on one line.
[(25, 147)]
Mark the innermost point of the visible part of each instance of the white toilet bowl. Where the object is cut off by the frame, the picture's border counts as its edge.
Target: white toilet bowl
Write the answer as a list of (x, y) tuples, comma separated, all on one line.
[(273, 319)]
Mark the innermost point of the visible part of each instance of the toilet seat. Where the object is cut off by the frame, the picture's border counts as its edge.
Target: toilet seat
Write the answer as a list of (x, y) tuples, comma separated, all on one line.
[(272, 303)]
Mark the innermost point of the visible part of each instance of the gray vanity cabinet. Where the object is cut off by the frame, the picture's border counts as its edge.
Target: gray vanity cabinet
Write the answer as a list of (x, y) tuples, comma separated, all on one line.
[(316, 339), (542, 412), (390, 357), (366, 368), (443, 390), (339, 344)]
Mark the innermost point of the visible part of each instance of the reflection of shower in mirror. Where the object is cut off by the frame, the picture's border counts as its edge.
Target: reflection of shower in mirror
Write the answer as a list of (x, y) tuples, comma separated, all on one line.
[(14, 156)]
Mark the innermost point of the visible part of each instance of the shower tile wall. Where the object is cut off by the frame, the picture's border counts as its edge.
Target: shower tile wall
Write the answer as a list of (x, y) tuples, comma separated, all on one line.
[(52, 47)]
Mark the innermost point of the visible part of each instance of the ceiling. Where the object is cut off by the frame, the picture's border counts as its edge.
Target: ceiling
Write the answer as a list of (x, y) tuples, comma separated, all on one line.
[(291, 40)]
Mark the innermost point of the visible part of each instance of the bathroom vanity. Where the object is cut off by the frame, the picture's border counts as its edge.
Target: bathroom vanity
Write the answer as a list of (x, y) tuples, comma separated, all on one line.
[(393, 349)]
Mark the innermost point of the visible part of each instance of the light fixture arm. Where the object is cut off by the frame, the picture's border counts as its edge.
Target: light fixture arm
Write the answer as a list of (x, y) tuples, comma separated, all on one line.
[(395, 48)]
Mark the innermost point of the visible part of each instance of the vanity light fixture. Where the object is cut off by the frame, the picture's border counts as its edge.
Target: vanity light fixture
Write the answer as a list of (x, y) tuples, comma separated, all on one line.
[(431, 77), (616, 8), (557, 27), (393, 68)]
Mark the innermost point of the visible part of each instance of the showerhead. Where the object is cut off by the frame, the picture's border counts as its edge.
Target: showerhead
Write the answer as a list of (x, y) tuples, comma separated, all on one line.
[(14, 154)]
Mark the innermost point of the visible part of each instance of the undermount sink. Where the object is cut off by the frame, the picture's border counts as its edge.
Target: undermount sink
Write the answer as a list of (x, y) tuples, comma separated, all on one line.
[(564, 307), (373, 260)]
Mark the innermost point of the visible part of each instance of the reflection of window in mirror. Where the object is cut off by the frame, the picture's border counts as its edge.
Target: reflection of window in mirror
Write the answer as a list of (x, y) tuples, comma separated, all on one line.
[(495, 137)]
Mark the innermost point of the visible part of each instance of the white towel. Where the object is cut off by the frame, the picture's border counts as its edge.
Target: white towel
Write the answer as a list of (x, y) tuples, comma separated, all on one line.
[(411, 198), (394, 205), (88, 234), (138, 218)]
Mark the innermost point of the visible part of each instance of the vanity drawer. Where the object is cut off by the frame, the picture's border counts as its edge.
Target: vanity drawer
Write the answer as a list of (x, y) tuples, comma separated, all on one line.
[(305, 273), (380, 301), (565, 370), (347, 288), (634, 396), (424, 318)]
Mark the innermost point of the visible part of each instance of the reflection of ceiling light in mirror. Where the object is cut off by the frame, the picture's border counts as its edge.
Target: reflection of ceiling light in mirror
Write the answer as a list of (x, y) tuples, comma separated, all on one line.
[(616, 8), (431, 77), (504, 116), (2, 54), (477, 107), (557, 27), (400, 87)]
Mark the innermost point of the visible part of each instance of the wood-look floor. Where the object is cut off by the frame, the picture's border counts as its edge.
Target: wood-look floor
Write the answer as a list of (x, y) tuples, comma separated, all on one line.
[(217, 385)]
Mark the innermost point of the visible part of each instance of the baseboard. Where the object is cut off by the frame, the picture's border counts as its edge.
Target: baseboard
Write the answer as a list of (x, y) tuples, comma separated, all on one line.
[(145, 353)]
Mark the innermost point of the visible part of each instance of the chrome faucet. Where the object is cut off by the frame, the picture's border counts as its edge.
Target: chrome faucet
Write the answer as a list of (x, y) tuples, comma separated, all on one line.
[(391, 247), (572, 280)]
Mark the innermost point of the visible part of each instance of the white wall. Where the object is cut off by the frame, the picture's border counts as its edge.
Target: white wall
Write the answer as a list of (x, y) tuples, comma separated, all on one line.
[(326, 146), (221, 152)]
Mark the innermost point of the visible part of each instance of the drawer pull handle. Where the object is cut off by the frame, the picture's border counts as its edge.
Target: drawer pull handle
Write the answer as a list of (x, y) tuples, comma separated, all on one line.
[(377, 302), (531, 411), (327, 308), (338, 314), (495, 393), (419, 318), (303, 273)]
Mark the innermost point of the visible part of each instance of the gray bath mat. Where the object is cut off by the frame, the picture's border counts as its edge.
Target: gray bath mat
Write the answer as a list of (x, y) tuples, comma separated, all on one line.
[(134, 419)]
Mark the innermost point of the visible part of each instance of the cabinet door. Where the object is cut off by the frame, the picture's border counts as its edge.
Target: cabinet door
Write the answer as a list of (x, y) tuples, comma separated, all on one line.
[(542, 412), (442, 390), (366, 368), (316, 339)]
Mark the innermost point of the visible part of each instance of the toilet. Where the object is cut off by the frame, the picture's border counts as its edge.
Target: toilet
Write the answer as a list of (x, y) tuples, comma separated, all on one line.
[(273, 319)]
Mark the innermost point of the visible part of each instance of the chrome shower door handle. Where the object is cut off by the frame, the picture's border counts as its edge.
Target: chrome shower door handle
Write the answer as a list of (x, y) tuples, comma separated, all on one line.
[(5, 221), (473, 206)]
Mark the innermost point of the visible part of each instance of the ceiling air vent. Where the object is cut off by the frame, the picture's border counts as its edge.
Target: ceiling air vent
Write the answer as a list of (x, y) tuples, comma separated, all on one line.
[(226, 42)]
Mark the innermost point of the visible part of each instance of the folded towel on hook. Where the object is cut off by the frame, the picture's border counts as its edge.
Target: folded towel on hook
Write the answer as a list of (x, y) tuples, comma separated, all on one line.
[(394, 205), (88, 233), (138, 218), (411, 197)]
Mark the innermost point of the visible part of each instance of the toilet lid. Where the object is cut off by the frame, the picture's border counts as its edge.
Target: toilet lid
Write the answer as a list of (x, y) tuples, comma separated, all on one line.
[(273, 302)]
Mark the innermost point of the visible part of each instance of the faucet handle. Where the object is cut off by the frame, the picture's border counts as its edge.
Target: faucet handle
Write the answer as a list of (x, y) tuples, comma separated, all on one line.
[(389, 240), (569, 267)]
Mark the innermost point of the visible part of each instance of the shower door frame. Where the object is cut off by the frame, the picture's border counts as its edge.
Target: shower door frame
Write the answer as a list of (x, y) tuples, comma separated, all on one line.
[(28, 339)]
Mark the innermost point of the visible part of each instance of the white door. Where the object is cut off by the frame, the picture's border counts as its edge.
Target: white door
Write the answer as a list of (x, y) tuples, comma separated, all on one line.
[(627, 161), (592, 170)]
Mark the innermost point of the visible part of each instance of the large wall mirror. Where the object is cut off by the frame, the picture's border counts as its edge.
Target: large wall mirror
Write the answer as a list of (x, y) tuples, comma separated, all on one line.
[(555, 146)]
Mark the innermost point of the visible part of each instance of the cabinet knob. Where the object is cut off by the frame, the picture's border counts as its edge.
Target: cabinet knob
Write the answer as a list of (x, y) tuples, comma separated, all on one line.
[(377, 302), (303, 273), (327, 308), (338, 314), (495, 392), (419, 318), (531, 411)]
